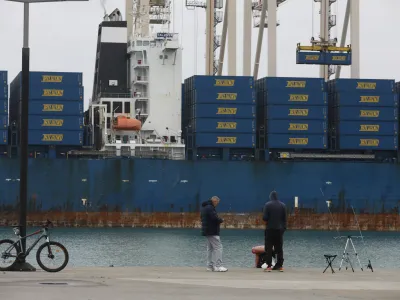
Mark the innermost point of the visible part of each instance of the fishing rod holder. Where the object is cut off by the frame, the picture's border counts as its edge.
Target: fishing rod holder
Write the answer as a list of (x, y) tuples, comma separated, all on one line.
[(345, 256)]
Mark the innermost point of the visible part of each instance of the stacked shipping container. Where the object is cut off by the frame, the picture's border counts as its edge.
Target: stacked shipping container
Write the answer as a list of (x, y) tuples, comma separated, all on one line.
[(55, 108), (293, 111), (3, 108), (364, 114), (220, 111)]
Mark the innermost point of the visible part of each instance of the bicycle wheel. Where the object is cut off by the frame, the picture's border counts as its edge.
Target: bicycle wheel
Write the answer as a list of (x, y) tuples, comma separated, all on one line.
[(8, 254), (49, 251)]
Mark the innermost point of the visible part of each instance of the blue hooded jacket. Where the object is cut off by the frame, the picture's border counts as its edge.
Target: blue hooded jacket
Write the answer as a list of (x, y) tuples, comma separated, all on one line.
[(275, 213), (210, 222)]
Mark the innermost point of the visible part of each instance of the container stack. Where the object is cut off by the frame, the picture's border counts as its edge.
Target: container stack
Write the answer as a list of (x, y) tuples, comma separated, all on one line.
[(293, 111), (364, 114), (220, 110), (55, 108), (4, 107)]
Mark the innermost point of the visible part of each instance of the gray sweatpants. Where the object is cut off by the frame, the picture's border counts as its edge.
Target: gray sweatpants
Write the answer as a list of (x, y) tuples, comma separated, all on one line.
[(214, 251)]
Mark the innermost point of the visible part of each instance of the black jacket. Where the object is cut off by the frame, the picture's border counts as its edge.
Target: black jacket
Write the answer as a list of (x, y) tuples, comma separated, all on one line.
[(210, 222), (275, 213)]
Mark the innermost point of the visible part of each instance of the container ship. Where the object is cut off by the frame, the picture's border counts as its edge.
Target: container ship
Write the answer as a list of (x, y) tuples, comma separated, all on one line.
[(152, 146)]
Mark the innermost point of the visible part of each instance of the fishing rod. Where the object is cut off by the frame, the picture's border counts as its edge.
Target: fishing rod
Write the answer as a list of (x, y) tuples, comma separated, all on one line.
[(330, 212)]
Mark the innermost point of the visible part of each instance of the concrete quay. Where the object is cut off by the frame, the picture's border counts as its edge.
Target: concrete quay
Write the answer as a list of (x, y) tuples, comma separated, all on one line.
[(167, 283)]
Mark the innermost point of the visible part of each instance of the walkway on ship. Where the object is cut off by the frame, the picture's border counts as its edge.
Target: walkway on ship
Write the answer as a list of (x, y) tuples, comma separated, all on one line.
[(195, 283)]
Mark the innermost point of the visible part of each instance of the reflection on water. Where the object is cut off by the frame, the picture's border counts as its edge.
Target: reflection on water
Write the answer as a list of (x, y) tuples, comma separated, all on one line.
[(186, 247)]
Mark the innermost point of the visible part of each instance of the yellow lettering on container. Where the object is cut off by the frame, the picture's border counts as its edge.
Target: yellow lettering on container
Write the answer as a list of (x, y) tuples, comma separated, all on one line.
[(226, 111), (298, 112), (52, 78), (298, 141), (312, 57), (339, 57), (226, 96), (296, 84), (369, 142), (226, 125), (50, 137), (226, 140), (53, 107), (294, 126), (224, 82), (366, 85), (369, 128), (369, 113), (369, 99), (298, 98), (52, 93), (53, 122)]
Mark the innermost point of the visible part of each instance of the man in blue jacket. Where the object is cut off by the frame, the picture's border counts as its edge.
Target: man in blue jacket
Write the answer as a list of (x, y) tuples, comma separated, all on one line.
[(210, 227), (275, 218)]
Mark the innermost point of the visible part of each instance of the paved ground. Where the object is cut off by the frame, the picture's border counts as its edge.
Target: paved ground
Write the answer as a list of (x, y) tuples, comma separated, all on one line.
[(195, 283)]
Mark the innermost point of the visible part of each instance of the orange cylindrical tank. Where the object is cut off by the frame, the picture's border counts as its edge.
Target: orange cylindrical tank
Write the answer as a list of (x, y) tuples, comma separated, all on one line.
[(124, 123)]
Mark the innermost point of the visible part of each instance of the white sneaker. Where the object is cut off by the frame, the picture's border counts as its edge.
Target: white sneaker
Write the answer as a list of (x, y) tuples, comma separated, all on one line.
[(210, 269), (220, 269)]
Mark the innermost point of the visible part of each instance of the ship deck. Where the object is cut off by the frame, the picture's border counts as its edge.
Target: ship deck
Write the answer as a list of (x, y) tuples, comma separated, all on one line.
[(196, 283)]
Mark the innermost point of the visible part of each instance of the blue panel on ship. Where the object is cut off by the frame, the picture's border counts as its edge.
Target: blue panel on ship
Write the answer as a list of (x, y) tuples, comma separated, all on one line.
[(216, 95), (224, 125), (282, 83), (368, 142), (4, 92), (224, 111), (53, 79), (3, 106), (361, 85), (360, 99), (3, 78), (343, 59), (297, 126), (276, 112), (55, 122), (55, 137), (375, 114), (3, 122), (297, 141), (368, 128), (310, 58), (295, 97), (222, 83), (225, 140), (3, 137), (56, 108), (47, 92)]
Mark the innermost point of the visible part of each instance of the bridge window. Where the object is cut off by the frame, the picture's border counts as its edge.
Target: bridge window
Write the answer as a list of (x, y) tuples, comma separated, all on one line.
[(108, 106), (127, 107), (117, 107), (108, 122)]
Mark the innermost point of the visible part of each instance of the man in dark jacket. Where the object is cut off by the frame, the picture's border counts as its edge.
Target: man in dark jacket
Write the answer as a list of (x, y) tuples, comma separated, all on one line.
[(275, 218), (210, 227)]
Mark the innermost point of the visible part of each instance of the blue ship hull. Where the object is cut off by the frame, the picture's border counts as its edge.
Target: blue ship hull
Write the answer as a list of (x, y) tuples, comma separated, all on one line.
[(141, 192)]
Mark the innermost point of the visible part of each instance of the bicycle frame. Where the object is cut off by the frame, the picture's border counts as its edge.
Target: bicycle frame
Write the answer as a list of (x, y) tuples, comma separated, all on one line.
[(44, 235)]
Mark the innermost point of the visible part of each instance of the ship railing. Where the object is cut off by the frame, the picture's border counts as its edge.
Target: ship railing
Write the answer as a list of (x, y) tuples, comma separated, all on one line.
[(114, 95), (138, 95), (141, 78), (140, 63)]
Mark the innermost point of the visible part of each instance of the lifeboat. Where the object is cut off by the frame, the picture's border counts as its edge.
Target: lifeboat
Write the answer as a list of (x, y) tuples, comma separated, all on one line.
[(125, 123)]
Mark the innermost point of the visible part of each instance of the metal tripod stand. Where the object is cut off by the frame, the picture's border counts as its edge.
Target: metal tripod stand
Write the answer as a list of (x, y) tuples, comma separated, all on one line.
[(346, 257)]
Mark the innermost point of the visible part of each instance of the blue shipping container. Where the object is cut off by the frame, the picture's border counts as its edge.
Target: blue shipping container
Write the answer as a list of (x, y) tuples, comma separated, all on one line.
[(370, 128), (46, 92), (353, 142), (3, 122), (224, 125), (55, 137), (282, 83), (3, 78), (222, 111), (291, 112), (56, 108), (295, 97), (4, 92), (359, 99), (338, 59), (296, 141), (53, 79), (222, 83), (3, 137), (3, 106), (215, 95), (357, 114), (297, 126), (382, 86), (55, 122), (225, 140), (310, 58)]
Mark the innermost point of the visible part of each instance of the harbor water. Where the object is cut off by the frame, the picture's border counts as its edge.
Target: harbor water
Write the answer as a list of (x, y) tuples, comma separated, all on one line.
[(90, 247)]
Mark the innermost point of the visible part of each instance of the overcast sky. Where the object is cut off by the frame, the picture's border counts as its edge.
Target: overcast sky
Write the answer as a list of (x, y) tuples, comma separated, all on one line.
[(63, 37)]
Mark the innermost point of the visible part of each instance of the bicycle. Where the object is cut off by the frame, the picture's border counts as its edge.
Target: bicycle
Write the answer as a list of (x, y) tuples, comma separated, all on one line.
[(20, 255)]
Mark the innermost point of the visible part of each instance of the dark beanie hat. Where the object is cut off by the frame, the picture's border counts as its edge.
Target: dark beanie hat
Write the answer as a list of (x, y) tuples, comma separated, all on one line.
[(273, 195)]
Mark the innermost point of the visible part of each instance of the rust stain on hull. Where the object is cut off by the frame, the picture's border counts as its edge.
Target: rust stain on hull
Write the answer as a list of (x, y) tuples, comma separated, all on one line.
[(309, 221)]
